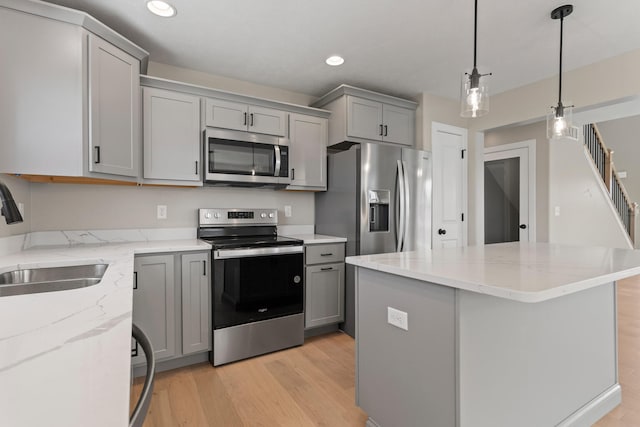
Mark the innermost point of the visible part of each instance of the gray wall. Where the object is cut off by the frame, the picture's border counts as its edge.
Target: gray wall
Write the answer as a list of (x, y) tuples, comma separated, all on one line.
[(79, 207), (538, 132)]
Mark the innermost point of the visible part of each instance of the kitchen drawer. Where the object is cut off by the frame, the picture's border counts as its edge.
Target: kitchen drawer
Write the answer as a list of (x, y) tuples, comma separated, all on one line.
[(321, 254)]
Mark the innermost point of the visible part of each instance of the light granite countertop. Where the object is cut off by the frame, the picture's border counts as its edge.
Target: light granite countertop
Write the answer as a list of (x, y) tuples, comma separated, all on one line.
[(525, 272), (65, 356), (317, 239)]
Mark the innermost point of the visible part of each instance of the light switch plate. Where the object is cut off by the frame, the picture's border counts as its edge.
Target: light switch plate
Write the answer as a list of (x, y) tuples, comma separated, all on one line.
[(397, 318)]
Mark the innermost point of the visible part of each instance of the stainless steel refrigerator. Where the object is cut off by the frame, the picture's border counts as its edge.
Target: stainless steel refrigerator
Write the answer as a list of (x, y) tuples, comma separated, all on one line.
[(379, 198)]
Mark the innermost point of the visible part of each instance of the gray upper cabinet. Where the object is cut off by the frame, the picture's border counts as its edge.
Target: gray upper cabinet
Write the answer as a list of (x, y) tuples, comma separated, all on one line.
[(69, 89), (308, 155), (171, 136), (196, 303), (251, 118), (154, 304), (364, 118), (359, 115), (114, 109)]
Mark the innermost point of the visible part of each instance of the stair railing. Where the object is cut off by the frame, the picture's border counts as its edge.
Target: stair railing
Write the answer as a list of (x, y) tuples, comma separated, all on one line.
[(603, 159)]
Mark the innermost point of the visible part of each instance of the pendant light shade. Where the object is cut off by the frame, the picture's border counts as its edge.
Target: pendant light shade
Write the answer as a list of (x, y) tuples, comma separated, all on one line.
[(474, 88), (559, 119)]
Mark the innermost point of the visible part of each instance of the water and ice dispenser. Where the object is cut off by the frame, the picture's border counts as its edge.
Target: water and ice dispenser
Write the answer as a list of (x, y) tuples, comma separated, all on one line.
[(378, 210)]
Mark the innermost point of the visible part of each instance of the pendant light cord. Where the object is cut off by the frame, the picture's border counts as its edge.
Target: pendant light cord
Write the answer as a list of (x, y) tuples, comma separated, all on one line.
[(560, 73), (475, 33)]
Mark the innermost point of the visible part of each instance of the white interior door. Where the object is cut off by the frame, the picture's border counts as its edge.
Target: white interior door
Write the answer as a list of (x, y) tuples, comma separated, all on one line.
[(449, 145), (509, 193)]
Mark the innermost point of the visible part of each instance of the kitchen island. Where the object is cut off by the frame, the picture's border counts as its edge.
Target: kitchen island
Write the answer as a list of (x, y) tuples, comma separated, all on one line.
[(514, 334)]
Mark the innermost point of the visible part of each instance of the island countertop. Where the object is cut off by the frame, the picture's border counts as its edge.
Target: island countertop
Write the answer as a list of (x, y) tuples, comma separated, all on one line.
[(65, 356), (525, 272)]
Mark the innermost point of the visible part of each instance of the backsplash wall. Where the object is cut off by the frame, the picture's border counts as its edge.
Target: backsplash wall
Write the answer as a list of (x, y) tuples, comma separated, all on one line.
[(82, 207)]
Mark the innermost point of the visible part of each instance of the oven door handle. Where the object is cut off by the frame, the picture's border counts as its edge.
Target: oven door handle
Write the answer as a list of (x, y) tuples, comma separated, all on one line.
[(255, 252)]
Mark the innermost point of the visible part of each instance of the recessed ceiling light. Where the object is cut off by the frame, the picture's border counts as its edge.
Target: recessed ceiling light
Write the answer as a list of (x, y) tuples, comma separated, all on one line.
[(335, 60), (161, 8)]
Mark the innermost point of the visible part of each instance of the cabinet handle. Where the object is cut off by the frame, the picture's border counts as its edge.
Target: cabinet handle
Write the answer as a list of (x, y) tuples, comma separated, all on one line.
[(329, 254), (245, 119), (251, 119), (293, 174), (196, 167), (326, 268), (385, 130), (381, 128), (97, 150), (135, 280), (204, 267)]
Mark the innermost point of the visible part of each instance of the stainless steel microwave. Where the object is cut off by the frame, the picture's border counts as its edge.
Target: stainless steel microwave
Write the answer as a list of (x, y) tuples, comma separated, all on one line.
[(245, 159)]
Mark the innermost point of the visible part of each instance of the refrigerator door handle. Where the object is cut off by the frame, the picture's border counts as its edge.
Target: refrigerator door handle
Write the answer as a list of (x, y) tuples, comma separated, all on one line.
[(402, 192), (407, 204)]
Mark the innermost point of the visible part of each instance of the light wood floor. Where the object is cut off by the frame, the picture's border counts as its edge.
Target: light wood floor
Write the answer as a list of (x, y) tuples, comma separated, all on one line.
[(628, 413), (313, 385)]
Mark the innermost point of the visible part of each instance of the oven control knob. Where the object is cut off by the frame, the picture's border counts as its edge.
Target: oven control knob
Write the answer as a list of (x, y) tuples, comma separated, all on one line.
[(216, 215), (296, 279), (207, 215), (271, 215), (263, 215)]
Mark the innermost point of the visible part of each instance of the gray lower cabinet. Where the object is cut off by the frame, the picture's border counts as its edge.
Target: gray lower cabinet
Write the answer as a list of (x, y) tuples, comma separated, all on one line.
[(154, 308), (324, 285), (171, 303), (196, 303)]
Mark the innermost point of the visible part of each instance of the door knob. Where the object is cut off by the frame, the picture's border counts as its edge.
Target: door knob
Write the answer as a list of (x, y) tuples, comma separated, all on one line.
[(442, 231), (523, 226)]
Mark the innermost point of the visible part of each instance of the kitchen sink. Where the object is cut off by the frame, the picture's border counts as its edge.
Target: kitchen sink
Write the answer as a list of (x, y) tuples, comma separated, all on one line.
[(51, 279)]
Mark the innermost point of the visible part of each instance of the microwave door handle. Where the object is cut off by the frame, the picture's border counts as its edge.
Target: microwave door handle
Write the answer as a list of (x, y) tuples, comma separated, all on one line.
[(277, 165)]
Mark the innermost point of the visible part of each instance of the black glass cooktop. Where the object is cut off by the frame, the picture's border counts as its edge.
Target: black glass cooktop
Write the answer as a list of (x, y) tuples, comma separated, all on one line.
[(251, 242)]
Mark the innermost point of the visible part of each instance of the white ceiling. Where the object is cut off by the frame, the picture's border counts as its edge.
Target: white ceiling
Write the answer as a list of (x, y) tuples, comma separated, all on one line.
[(401, 47)]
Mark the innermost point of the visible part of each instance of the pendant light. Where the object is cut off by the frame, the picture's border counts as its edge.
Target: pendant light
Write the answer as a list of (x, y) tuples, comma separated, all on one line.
[(559, 124), (474, 91)]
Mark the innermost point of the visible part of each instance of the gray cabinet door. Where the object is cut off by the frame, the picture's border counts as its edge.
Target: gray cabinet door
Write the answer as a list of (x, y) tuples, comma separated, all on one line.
[(171, 135), (308, 151), (114, 109), (399, 125), (324, 295), (154, 304), (226, 114), (267, 121), (196, 303), (364, 118)]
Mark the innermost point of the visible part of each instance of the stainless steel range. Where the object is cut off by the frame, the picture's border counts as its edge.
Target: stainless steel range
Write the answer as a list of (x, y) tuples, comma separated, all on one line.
[(258, 283)]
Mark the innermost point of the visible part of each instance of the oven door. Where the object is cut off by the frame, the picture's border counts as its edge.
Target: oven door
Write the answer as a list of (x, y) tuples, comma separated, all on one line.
[(241, 157), (250, 285)]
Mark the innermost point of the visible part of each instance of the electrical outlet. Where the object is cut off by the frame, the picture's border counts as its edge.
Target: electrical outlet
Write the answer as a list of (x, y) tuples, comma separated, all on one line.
[(162, 211), (557, 211), (397, 318), (287, 211)]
